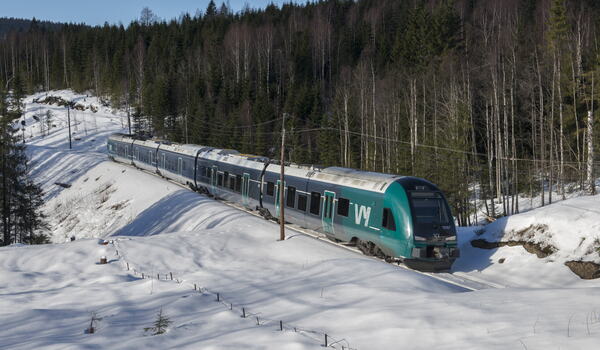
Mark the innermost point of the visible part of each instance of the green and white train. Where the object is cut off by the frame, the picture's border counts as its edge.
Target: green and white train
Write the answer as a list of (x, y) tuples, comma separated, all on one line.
[(394, 217)]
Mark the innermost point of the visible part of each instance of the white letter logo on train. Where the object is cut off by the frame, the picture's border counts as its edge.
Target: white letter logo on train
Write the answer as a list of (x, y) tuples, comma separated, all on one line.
[(360, 213)]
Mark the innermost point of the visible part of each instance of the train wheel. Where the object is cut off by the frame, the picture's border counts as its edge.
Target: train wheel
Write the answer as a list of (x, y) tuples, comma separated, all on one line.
[(365, 247), (378, 252)]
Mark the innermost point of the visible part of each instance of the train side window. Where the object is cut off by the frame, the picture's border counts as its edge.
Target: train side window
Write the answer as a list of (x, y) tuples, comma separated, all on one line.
[(302, 199), (388, 219), (225, 179), (270, 188), (315, 203), (220, 180), (238, 183), (343, 206), (291, 196), (232, 182)]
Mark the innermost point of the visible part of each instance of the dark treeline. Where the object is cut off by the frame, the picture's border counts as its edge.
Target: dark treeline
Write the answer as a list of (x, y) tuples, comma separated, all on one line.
[(8, 25), (20, 197), (489, 99)]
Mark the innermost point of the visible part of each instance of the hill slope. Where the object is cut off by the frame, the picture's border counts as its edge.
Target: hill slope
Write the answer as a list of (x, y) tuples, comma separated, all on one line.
[(157, 228)]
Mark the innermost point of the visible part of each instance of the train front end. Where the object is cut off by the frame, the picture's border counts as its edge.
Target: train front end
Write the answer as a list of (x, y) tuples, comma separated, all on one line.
[(432, 244)]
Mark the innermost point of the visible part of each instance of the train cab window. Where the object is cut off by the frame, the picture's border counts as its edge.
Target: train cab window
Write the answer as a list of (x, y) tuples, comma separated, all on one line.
[(220, 180), (270, 188), (388, 220), (315, 203), (302, 199), (291, 196), (343, 206), (232, 182), (238, 183)]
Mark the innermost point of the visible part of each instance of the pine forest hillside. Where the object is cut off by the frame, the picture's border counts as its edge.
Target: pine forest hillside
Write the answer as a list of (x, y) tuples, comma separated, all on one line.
[(489, 99)]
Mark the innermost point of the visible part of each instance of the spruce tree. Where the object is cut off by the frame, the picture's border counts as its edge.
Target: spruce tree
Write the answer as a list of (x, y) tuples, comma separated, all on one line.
[(20, 198)]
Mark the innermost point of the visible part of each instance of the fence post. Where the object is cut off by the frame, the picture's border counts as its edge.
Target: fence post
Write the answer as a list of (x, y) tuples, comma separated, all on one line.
[(142, 275), (171, 275), (243, 312), (127, 266), (325, 339), (257, 322), (158, 276), (281, 325), (194, 286), (230, 306), (218, 297)]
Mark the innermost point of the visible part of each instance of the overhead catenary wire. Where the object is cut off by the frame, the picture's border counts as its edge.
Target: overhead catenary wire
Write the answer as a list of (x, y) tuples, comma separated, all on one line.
[(407, 143)]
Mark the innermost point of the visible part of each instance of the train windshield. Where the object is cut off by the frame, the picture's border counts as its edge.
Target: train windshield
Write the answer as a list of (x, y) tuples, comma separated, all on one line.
[(429, 208)]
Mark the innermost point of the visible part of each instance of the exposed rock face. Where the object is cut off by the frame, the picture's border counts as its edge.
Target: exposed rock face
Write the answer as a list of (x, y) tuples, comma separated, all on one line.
[(586, 270), (540, 251)]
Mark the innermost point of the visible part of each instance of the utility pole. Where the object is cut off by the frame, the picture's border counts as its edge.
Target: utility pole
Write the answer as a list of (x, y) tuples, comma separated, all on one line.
[(128, 117), (590, 159), (282, 184), (69, 121)]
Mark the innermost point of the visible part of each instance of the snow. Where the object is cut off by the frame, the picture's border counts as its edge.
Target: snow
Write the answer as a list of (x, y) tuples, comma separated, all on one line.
[(157, 227)]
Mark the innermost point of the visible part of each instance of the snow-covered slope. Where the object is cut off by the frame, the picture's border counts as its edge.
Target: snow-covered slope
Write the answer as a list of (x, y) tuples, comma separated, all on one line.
[(569, 230), (48, 292)]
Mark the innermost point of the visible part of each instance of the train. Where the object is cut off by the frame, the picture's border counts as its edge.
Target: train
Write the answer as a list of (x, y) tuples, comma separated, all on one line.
[(397, 218)]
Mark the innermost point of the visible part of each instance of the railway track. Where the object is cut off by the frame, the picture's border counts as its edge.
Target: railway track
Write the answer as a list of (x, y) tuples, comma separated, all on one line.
[(459, 279)]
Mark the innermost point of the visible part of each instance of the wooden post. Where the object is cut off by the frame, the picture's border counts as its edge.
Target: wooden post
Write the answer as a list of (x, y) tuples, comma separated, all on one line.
[(194, 286), (325, 339), (243, 312), (142, 275), (218, 297), (281, 325), (127, 266), (69, 121), (171, 273), (282, 184)]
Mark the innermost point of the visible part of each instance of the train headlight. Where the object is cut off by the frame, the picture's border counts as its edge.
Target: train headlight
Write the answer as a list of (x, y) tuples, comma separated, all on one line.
[(451, 238), (417, 238)]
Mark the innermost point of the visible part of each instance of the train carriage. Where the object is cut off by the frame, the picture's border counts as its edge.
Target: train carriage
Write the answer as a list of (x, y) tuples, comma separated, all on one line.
[(390, 216)]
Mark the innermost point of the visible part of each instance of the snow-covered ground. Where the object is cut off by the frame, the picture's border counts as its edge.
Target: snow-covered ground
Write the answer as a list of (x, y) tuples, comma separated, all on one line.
[(47, 293)]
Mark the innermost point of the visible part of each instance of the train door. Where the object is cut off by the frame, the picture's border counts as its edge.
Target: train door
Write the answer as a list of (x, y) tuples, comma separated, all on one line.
[(179, 165), (151, 157), (245, 188), (328, 211), (163, 160), (213, 178), (277, 194), (137, 154)]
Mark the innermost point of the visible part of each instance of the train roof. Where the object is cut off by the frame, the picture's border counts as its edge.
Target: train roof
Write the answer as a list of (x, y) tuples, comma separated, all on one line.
[(357, 178), (367, 180)]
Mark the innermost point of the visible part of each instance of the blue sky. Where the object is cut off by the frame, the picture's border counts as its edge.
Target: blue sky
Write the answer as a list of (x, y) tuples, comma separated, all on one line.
[(96, 12)]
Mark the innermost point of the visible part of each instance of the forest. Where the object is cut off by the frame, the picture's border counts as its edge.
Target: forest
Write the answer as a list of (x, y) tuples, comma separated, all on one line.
[(491, 100)]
